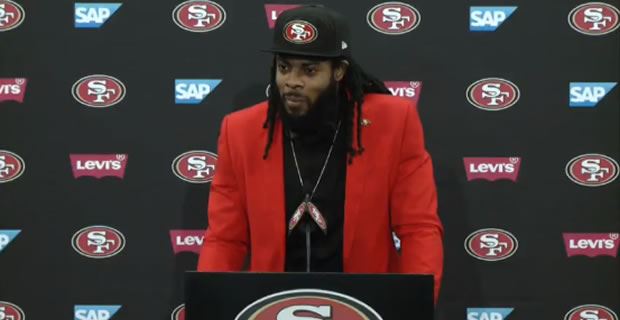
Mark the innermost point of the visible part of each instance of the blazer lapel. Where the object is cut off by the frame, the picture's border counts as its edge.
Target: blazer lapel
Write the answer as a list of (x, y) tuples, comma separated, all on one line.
[(357, 174), (271, 190)]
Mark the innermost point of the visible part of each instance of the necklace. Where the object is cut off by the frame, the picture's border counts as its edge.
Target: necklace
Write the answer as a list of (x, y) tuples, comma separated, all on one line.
[(306, 205)]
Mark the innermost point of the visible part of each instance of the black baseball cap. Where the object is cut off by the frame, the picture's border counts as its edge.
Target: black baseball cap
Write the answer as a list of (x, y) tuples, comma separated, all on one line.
[(311, 30)]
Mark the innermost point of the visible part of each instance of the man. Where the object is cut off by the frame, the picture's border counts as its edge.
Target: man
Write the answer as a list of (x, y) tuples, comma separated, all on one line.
[(319, 176)]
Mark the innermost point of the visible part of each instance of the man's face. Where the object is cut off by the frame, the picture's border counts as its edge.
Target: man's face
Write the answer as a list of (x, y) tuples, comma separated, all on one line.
[(301, 81)]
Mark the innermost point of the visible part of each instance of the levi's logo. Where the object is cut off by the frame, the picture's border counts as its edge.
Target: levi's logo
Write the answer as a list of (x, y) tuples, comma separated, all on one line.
[(405, 89), (274, 10), (98, 165), (591, 244), (492, 169), (187, 240), (13, 89)]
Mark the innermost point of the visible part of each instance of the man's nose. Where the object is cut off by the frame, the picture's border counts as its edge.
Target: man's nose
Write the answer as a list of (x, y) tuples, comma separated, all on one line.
[(293, 81)]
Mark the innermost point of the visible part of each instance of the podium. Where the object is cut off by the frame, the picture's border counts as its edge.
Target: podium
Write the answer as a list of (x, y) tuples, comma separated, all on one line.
[(307, 296)]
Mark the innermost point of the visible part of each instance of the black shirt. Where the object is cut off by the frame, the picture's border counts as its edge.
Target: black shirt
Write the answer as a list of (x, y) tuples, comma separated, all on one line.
[(311, 150)]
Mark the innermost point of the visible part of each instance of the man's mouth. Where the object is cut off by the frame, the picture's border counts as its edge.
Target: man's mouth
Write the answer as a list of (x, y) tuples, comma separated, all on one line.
[(294, 100)]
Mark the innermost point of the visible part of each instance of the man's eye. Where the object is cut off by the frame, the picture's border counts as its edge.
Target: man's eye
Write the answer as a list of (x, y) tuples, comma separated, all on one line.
[(311, 70), (282, 67)]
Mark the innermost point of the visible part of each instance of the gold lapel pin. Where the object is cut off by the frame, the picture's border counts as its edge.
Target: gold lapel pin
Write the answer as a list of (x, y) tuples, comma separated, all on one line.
[(365, 122)]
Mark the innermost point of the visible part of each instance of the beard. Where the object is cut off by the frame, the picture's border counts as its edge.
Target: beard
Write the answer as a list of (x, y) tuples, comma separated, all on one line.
[(321, 115)]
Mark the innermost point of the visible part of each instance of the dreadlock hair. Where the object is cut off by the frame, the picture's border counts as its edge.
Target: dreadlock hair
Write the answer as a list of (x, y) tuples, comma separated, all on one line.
[(355, 83)]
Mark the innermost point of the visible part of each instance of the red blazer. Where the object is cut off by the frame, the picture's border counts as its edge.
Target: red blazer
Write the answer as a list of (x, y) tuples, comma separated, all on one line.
[(390, 187)]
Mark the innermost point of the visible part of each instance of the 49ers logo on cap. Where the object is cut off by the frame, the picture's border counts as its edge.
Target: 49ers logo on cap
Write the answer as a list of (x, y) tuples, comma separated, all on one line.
[(10, 311), (300, 32), (591, 311), (393, 18), (592, 170), (493, 94), (594, 18), (199, 15), (308, 304), (11, 15), (12, 166), (195, 166), (491, 244), (98, 91), (98, 242), (178, 313)]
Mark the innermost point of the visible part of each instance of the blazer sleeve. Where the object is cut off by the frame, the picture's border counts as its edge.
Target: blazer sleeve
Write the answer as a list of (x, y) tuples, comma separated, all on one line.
[(226, 238), (413, 206)]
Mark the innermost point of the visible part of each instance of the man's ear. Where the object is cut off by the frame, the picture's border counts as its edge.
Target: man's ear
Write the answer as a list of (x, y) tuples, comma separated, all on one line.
[(340, 70)]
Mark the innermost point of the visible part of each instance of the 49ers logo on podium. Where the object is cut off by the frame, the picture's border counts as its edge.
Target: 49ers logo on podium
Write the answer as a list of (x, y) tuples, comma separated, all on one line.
[(592, 170), (199, 15), (591, 312), (300, 32), (195, 166), (98, 91), (98, 242), (594, 18), (493, 94), (11, 15), (10, 311), (393, 18), (308, 304), (491, 244), (178, 313)]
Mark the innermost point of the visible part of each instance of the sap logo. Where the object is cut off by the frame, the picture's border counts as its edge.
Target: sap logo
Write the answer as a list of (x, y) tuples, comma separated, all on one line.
[(488, 313), (6, 236), (93, 15), (94, 312), (488, 18), (588, 94), (193, 91)]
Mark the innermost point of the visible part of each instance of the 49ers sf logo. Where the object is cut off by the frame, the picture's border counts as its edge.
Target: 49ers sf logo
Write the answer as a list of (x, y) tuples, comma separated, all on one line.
[(591, 311), (11, 15), (493, 94), (195, 166), (491, 244), (300, 32), (592, 170), (594, 18), (199, 15), (98, 242), (98, 91), (393, 18), (308, 304), (10, 311), (12, 166)]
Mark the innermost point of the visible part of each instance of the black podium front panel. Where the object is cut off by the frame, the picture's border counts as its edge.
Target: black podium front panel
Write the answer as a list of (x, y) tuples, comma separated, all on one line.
[(292, 296)]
